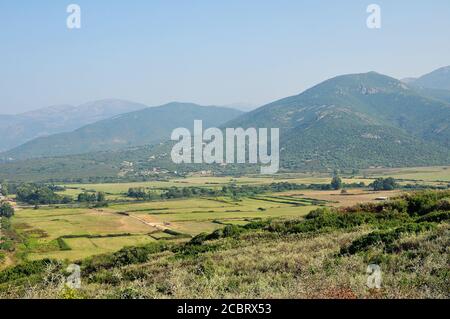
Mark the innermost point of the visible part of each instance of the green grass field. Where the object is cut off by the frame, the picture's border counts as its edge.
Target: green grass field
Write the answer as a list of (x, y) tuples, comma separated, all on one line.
[(85, 247), (40, 230)]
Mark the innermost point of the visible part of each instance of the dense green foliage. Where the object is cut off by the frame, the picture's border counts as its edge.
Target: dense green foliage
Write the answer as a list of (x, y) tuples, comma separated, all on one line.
[(336, 183), (86, 197), (384, 184), (231, 190), (24, 270), (126, 256), (39, 194), (6, 210)]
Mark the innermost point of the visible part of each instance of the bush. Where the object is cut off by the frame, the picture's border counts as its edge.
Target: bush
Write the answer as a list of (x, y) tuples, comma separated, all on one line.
[(6, 210), (336, 183), (25, 270), (6, 224), (7, 245), (384, 184), (326, 220), (232, 231), (435, 217), (125, 256), (189, 250), (37, 194), (385, 238)]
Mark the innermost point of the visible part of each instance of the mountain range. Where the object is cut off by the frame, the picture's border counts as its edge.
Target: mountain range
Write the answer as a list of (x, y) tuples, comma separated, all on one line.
[(357, 120), (350, 121), (437, 79), (146, 126), (18, 129)]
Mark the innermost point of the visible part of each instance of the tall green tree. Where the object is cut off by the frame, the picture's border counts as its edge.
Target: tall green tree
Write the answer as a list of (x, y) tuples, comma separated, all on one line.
[(336, 183)]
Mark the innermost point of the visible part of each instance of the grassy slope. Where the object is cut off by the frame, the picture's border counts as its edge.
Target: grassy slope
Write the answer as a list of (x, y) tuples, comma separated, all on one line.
[(325, 256)]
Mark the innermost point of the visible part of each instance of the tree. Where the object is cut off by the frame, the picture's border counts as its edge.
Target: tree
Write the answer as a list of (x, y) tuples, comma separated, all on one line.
[(384, 184), (336, 183), (87, 197), (6, 210), (39, 194)]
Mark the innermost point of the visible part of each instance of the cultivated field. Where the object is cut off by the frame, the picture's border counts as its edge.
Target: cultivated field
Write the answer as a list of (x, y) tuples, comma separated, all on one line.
[(74, 233), (435, 174), (49, 232)]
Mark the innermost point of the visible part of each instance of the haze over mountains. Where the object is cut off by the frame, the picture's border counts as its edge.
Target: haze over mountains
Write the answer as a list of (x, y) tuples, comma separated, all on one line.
[(438, 79), (350, 121), (18, 129), (147, 126), (357, 120)]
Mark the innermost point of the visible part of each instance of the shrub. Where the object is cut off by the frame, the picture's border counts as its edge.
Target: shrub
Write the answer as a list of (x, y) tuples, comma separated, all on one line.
[(125, 256), (190, 250), (386, 238), (384, 184), (436, 217), (6, 224), (6, 210), (199, 239), (232, 231), (422, 203), (336, 183), (324, 220), (7, 245), (25, 270)]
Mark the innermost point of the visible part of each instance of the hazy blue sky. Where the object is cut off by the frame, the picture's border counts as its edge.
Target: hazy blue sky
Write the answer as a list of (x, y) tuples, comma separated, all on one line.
[(207, 51)]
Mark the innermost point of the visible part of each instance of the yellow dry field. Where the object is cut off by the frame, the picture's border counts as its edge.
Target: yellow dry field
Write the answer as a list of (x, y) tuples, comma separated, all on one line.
[(337, 199), (425, 174)]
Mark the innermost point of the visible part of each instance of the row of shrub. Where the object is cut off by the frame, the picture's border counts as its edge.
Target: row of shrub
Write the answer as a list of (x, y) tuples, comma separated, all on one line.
[(25, 270), (385, 238)]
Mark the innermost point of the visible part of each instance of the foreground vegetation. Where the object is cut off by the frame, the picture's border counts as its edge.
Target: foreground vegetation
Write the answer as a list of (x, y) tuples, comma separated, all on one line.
[(323, 255)]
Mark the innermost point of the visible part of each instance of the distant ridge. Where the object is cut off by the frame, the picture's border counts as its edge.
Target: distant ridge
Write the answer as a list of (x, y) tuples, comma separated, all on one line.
[(146, 126), (348, 122), (357, 120), (437, 79), (18, 129)]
